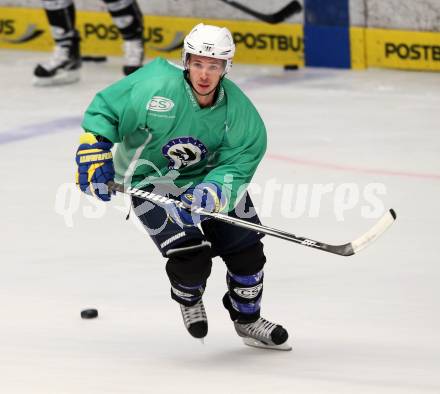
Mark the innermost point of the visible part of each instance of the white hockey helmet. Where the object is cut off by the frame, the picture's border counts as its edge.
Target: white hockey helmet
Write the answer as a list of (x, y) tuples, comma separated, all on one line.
[(210, 41)]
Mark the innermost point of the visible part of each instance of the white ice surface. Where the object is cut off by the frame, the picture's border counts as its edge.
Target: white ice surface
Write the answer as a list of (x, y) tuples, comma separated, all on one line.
[(363, 324)]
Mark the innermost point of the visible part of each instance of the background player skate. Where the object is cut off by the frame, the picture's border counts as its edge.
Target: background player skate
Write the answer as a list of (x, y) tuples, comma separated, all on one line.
[(64, 65), (199, 130)]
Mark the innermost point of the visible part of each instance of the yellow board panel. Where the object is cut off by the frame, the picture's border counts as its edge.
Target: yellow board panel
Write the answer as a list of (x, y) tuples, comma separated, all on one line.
[(357, 48), (257, 43), (22, 28), (408, 50)]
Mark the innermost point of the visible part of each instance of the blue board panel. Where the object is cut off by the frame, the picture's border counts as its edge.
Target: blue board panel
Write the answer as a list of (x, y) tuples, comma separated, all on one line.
[(326, 33), (327, 12), (327, 46)]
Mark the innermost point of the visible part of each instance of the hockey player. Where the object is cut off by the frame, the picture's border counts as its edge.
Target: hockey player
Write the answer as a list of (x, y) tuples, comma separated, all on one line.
[(190, 134), (64, 65)]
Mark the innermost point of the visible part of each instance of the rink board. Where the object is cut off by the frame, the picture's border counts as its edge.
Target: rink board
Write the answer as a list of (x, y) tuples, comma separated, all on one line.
[(257, 43), (358, 48), (411, 50), (406, 50)]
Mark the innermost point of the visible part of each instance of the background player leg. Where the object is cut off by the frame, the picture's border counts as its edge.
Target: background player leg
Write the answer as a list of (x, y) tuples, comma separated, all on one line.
[(63, 67), (127, 16)]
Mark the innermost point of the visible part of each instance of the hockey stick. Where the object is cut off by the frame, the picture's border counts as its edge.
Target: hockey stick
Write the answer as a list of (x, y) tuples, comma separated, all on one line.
[(290, 9), (347, 249)]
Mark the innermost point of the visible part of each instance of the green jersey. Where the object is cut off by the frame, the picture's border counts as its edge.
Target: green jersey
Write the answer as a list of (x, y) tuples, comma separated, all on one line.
[(164, 136)]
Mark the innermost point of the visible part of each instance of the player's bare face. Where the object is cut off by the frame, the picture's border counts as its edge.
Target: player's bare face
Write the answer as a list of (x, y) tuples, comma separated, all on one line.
[(204, 74)]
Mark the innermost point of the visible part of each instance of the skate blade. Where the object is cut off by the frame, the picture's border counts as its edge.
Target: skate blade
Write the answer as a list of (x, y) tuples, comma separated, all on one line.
[(62, 78), (255, 343)]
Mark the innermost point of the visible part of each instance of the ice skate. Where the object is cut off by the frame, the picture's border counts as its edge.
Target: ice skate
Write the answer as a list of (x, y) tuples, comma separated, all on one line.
[(195, 320), (133, 55), (263, 334), (62, 68)]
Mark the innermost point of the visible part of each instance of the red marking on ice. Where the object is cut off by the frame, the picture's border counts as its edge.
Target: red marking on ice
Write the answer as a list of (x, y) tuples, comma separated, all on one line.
[(339, 167)]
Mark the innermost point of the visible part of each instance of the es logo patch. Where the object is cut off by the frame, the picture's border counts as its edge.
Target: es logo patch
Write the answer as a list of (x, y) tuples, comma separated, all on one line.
[(160, 104), (183, 152)]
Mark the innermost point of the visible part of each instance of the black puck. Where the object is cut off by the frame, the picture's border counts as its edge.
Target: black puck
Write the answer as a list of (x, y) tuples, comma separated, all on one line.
[(89, 313), (289, 67)]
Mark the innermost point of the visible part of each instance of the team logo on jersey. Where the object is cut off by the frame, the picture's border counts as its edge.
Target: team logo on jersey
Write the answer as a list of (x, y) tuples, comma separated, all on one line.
[(160, 104), (183, 152)]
